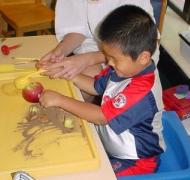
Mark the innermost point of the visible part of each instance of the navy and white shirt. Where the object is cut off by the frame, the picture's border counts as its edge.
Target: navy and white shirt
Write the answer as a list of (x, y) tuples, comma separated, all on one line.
[(133, 110)]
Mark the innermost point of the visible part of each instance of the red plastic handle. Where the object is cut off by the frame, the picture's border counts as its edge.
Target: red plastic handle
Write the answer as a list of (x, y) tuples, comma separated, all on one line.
[(6, 50)]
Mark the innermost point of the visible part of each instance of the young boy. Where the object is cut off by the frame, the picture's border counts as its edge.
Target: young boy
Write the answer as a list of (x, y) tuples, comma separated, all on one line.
[(129, 119)]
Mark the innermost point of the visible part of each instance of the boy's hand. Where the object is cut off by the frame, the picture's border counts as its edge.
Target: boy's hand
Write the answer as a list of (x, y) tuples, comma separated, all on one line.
[(50, 98)]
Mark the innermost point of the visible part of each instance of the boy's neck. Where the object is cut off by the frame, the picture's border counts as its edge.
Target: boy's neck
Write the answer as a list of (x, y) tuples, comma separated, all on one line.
[(148, 68)]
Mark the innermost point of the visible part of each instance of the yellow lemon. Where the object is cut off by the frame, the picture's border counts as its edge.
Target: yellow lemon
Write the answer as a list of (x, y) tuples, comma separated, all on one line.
[(21, 82)]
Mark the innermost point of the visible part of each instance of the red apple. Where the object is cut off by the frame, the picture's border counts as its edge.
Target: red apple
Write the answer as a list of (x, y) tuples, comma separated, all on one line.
[(32, 92)]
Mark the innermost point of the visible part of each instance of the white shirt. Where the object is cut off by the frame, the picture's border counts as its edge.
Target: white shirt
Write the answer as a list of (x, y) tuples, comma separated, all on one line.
[(82, 16)]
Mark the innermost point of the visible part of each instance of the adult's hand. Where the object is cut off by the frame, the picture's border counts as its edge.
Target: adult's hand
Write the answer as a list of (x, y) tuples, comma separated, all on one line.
[(68, 68), (87, 63), (70, 42), (55, 55)]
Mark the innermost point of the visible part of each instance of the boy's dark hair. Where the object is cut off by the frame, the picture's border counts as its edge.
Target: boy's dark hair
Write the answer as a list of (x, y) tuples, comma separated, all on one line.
[(130, 28)]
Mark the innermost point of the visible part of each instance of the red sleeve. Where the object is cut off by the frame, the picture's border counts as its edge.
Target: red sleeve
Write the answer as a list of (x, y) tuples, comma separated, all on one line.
[(134, 92)]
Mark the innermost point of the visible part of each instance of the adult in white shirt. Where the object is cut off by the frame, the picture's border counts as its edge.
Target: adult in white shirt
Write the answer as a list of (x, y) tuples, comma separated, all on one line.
[(75, 24)]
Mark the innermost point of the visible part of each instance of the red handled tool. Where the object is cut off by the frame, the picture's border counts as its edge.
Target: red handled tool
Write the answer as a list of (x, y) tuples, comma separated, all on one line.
[(6, 49)]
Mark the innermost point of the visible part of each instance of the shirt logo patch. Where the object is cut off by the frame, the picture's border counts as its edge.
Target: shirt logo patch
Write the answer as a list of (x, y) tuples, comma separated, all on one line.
[(119, 101)]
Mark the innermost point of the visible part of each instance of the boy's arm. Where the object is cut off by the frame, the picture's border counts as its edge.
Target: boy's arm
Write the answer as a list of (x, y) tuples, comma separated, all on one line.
[(85, 83), (90, 112)]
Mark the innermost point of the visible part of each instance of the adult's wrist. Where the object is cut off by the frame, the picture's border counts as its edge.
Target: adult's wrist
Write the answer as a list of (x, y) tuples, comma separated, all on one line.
[(61, 47)]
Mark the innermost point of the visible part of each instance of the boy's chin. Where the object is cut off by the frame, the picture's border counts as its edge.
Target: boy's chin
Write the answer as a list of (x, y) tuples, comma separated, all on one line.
[(120, 75)]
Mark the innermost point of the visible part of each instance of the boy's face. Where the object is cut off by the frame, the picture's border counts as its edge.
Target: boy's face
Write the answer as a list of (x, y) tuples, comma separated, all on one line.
[(124, 65)]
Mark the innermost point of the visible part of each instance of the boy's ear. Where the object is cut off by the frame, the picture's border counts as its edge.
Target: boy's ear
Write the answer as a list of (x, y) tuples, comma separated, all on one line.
[(144, 58)]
